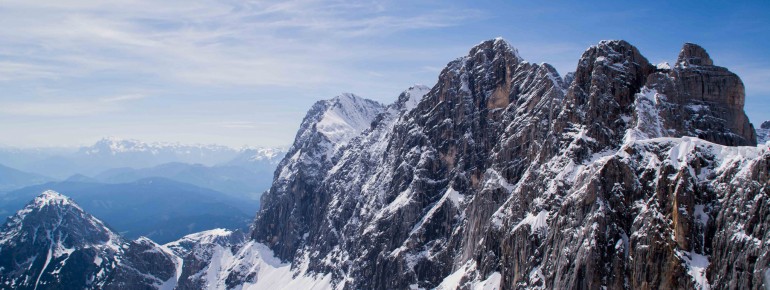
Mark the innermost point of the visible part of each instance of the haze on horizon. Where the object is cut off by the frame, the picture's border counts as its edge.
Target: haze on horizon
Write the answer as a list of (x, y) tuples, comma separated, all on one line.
[(244, 73)]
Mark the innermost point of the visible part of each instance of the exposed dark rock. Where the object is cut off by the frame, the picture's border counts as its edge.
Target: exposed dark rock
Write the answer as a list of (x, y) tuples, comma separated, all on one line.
[(693, 55), (506, 174), (53, 244), (696, 99)]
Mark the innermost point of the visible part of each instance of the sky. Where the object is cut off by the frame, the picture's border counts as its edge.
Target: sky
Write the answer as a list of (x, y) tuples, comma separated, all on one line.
[(245, 72)]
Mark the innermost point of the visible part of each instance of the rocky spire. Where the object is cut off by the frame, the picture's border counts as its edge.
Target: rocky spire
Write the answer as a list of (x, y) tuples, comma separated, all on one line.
[(693, 55), (695, 98)]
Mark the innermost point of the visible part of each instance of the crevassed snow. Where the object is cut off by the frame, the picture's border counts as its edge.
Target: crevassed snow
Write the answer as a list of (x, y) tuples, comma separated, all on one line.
[(271, 273)]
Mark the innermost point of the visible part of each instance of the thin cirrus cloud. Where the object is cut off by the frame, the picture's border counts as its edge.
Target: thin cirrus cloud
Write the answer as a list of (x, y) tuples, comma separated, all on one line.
[(240, 124), (208, 43), (72, 108), (55, 57)]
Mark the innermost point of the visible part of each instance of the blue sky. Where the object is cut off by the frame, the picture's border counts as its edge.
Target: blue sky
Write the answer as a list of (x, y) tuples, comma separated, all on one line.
[(244, 73)]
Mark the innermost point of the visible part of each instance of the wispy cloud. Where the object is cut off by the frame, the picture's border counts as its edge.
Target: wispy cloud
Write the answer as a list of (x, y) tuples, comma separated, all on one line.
[(58, 109), (123, 98), (14, 71), (207, 42), (68, 108), (239, 124)]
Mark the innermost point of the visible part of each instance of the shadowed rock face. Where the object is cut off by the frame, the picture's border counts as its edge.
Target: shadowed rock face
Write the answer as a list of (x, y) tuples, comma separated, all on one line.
[(505, 174), (696, 98)]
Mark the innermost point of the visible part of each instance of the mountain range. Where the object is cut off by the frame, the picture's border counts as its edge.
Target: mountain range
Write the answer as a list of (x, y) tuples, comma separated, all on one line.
[(161, 209), (504, 175), (163, 202), (12, 178), (110, 153)]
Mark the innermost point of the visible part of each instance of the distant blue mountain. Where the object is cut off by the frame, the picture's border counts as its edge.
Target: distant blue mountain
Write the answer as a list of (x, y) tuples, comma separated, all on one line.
[(11, 178), (161, 209), (237, 181)]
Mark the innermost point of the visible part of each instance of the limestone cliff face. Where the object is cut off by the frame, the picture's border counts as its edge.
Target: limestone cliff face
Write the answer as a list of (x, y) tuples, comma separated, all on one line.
[(696, 98), (295, 202), (505, 174)]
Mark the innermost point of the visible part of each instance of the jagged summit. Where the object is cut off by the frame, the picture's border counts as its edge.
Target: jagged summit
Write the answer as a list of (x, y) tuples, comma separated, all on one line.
[(495, 48), (694, 98), (504, 175), (345, 116), (693, 55), (112, 145), (53, 244), (52, 198), (412, 96)]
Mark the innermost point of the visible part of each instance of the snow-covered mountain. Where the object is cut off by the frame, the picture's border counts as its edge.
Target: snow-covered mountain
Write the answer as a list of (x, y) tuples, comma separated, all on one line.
[(504, 175), (260, 155), (111, 152), (161, 209), (53, 244)]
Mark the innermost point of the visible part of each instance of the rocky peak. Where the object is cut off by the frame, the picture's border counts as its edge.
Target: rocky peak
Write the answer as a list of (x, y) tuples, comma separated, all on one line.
[(412, 96), (51, 198), (53, 244), (327, 128), (407, 165), (495, 48), (613, 64), (341, 118), (58, 217), (601, 96), (693, 55), (694, 98), (498, 163)]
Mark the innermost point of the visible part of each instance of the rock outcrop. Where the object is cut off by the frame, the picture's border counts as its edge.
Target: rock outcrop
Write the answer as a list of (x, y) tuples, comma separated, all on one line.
[(695, 98), (504, 174), (53, 244)]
